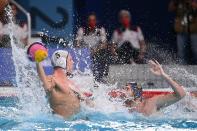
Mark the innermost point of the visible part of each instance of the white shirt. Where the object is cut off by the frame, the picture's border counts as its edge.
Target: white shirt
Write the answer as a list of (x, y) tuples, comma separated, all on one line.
[(132, 36), (92, 39), (19, 32), (1, 26)]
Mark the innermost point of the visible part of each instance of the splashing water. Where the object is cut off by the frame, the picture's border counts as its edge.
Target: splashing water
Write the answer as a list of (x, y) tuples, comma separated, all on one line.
[(31, 96), (105, 116), (183, 74)]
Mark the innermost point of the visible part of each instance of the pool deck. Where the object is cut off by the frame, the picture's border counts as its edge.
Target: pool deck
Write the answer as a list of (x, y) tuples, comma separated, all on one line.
[(8, 91)]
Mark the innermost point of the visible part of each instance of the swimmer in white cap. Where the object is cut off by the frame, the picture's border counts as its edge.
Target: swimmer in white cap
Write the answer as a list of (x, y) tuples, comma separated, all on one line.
[(64, 96)]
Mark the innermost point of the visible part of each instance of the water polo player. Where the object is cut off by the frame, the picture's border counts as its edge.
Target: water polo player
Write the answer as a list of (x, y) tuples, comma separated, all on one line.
[(64, 96), (135, 102)]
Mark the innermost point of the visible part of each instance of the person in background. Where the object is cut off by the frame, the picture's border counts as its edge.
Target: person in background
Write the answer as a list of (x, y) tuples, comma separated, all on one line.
[(185, 25), (128, 41), (19, 28), (94, 37)]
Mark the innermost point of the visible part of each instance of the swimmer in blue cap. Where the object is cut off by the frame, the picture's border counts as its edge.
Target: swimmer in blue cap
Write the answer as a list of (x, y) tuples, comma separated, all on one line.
[(152, 105), (64, 96), (134, 90)]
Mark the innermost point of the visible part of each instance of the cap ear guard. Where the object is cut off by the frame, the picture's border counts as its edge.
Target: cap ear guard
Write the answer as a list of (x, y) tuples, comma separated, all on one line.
[(59, 59), (138, 92), (137, 89), (60, 62)]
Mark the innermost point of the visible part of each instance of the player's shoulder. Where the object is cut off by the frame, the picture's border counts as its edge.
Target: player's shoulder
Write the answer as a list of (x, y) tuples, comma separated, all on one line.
[(153, 99)]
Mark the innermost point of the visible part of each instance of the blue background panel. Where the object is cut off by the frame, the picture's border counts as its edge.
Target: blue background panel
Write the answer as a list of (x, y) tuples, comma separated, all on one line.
[(81, 59)]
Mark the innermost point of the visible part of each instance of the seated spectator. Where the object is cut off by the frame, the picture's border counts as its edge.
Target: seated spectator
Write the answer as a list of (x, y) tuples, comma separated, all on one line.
[(19, 29), (185, 25), (94, 38), (128, 41)]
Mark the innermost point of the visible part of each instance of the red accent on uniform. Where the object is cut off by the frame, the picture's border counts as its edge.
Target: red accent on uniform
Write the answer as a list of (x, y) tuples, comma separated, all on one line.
[(118, 31), (149, 94), (145, 94)]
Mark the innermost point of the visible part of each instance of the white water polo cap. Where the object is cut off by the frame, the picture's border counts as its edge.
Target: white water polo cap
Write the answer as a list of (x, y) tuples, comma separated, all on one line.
[(59, 59)]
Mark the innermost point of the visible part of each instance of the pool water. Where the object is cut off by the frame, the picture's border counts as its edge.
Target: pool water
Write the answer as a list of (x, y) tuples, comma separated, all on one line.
[(30, 111), (12, 118)]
